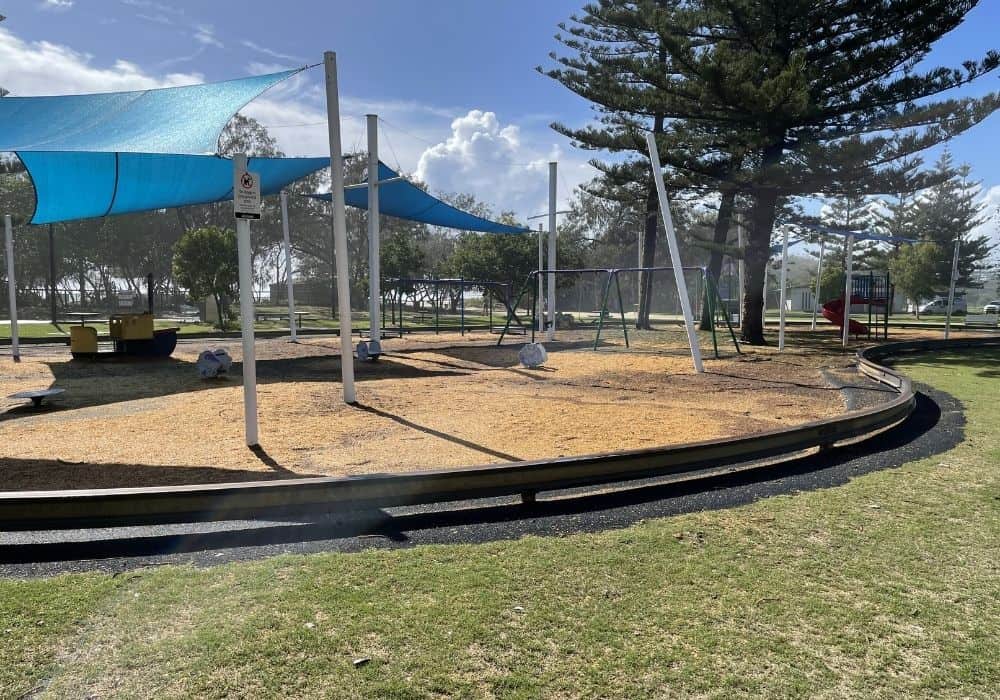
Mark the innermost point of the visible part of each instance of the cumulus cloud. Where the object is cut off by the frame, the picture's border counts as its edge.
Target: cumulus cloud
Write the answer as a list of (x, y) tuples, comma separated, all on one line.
[(44, 68), (56, 4), (495, 163)]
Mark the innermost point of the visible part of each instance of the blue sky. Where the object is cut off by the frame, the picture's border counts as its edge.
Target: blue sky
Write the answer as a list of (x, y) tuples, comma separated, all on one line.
[(453, 79)]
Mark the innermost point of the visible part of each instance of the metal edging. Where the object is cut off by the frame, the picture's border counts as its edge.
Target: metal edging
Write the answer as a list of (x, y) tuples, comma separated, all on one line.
[(212, 502)]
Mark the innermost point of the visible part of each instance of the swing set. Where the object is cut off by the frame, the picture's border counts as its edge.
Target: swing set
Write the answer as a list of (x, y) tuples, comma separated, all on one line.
[(607, 281)]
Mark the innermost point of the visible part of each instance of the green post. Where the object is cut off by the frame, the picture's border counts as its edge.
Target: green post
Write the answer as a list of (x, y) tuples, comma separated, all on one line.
[(604, 309), (621, 307)]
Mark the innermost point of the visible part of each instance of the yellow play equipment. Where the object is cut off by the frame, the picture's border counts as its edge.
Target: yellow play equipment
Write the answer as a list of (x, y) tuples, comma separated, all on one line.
[(131, 326), (133, 336), (82, 339)]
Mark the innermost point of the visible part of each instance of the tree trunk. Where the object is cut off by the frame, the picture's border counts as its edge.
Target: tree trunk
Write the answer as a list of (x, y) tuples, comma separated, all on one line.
[(647, 251), (758, 251), (720, 235)]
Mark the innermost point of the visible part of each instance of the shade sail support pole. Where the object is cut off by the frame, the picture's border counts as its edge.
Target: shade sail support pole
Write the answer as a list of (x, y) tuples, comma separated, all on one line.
[(541, 266), (246, 316), (553, 168), (819, 281), (951, 288), (849, 270), (741, 266), (288, 266), (675, 256), (8, 239), (374, 261), (783, 293), (339, 223)]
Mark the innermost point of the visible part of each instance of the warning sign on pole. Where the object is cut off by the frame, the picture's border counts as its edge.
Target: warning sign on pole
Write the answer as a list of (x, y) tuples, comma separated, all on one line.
[(246, 195)]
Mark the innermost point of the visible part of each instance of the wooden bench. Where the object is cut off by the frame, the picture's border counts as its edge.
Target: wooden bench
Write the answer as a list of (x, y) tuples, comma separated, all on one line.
[(981, 320)]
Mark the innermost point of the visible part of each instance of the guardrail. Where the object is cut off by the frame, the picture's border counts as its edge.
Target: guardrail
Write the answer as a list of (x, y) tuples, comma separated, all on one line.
[(265, 499)]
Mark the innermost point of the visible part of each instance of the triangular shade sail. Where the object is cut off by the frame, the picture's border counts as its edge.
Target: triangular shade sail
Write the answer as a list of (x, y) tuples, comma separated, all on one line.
[(166, 120), (71, 186), (404, 200)]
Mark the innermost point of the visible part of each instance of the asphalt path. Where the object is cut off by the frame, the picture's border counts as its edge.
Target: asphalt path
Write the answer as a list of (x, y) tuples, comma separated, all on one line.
[(936, 425)]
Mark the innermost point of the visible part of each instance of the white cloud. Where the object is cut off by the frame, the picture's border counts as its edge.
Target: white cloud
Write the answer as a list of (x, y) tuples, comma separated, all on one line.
[(44, 68), (493, 162), (205, 34), (156, 19), (56, 4), (270, 52)]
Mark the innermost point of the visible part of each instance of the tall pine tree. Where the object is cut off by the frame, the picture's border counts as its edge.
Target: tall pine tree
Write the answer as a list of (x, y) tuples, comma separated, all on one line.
[(808, 97), (948, 212)]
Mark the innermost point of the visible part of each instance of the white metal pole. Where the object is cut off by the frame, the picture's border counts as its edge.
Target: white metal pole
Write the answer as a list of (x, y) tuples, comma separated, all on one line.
[(339, 226), (552, 250), (767, 275), (783, 293), (539, 306), (847, 289), (819, 281), (8, 234), (246, 316), (741, 266), (951, 288), (288, 266), (675, 256), (374, 262)]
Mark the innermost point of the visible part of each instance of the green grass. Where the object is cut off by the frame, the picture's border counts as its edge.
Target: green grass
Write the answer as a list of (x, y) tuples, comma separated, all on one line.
[(884, 587)]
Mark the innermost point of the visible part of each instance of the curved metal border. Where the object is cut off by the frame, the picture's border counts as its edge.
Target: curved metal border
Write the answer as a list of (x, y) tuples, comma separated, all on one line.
[(261, 499)]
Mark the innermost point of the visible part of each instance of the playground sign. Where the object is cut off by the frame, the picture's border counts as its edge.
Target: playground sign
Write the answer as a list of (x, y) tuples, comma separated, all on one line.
[(246, 194)]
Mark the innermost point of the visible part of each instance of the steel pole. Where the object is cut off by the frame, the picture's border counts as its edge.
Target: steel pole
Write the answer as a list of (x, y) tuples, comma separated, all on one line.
[(847, 290), (246, 316), (951, 288), (552, 251), (783, 293), (8, 236), (339, 223), (374, 261), (675, 256), (819, 281), (288, 266)]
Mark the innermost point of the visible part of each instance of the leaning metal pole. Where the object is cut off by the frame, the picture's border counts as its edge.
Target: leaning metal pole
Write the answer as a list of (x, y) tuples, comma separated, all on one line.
[(339, 224)]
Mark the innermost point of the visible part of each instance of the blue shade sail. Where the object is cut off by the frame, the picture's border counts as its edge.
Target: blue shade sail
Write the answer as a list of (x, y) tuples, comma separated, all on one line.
[(71, 186), (166, 120), (404, 200)]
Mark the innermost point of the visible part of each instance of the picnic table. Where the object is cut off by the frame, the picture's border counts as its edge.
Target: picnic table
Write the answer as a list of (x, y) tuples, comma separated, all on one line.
[(281, 316)]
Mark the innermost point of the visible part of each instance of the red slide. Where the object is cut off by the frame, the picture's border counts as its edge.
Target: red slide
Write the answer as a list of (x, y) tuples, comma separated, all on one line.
[(833, 311)]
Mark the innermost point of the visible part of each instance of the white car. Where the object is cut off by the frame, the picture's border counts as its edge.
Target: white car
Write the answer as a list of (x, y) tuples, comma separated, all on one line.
[(992, 308), (940, 306)]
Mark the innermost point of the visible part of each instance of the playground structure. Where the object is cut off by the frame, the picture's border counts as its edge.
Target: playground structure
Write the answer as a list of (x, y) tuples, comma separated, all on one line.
[(604, 286), (872, 289), (132, 335), (443, 302)]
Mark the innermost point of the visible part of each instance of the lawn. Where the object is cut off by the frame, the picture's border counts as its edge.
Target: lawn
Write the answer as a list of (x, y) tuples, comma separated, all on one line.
[(886, 586)]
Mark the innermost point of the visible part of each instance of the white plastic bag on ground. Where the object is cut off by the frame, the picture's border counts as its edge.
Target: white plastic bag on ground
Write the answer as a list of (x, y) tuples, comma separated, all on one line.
[(212, 363)]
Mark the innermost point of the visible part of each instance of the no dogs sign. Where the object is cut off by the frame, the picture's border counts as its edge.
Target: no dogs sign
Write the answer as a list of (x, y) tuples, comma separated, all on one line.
[(246, 195)]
